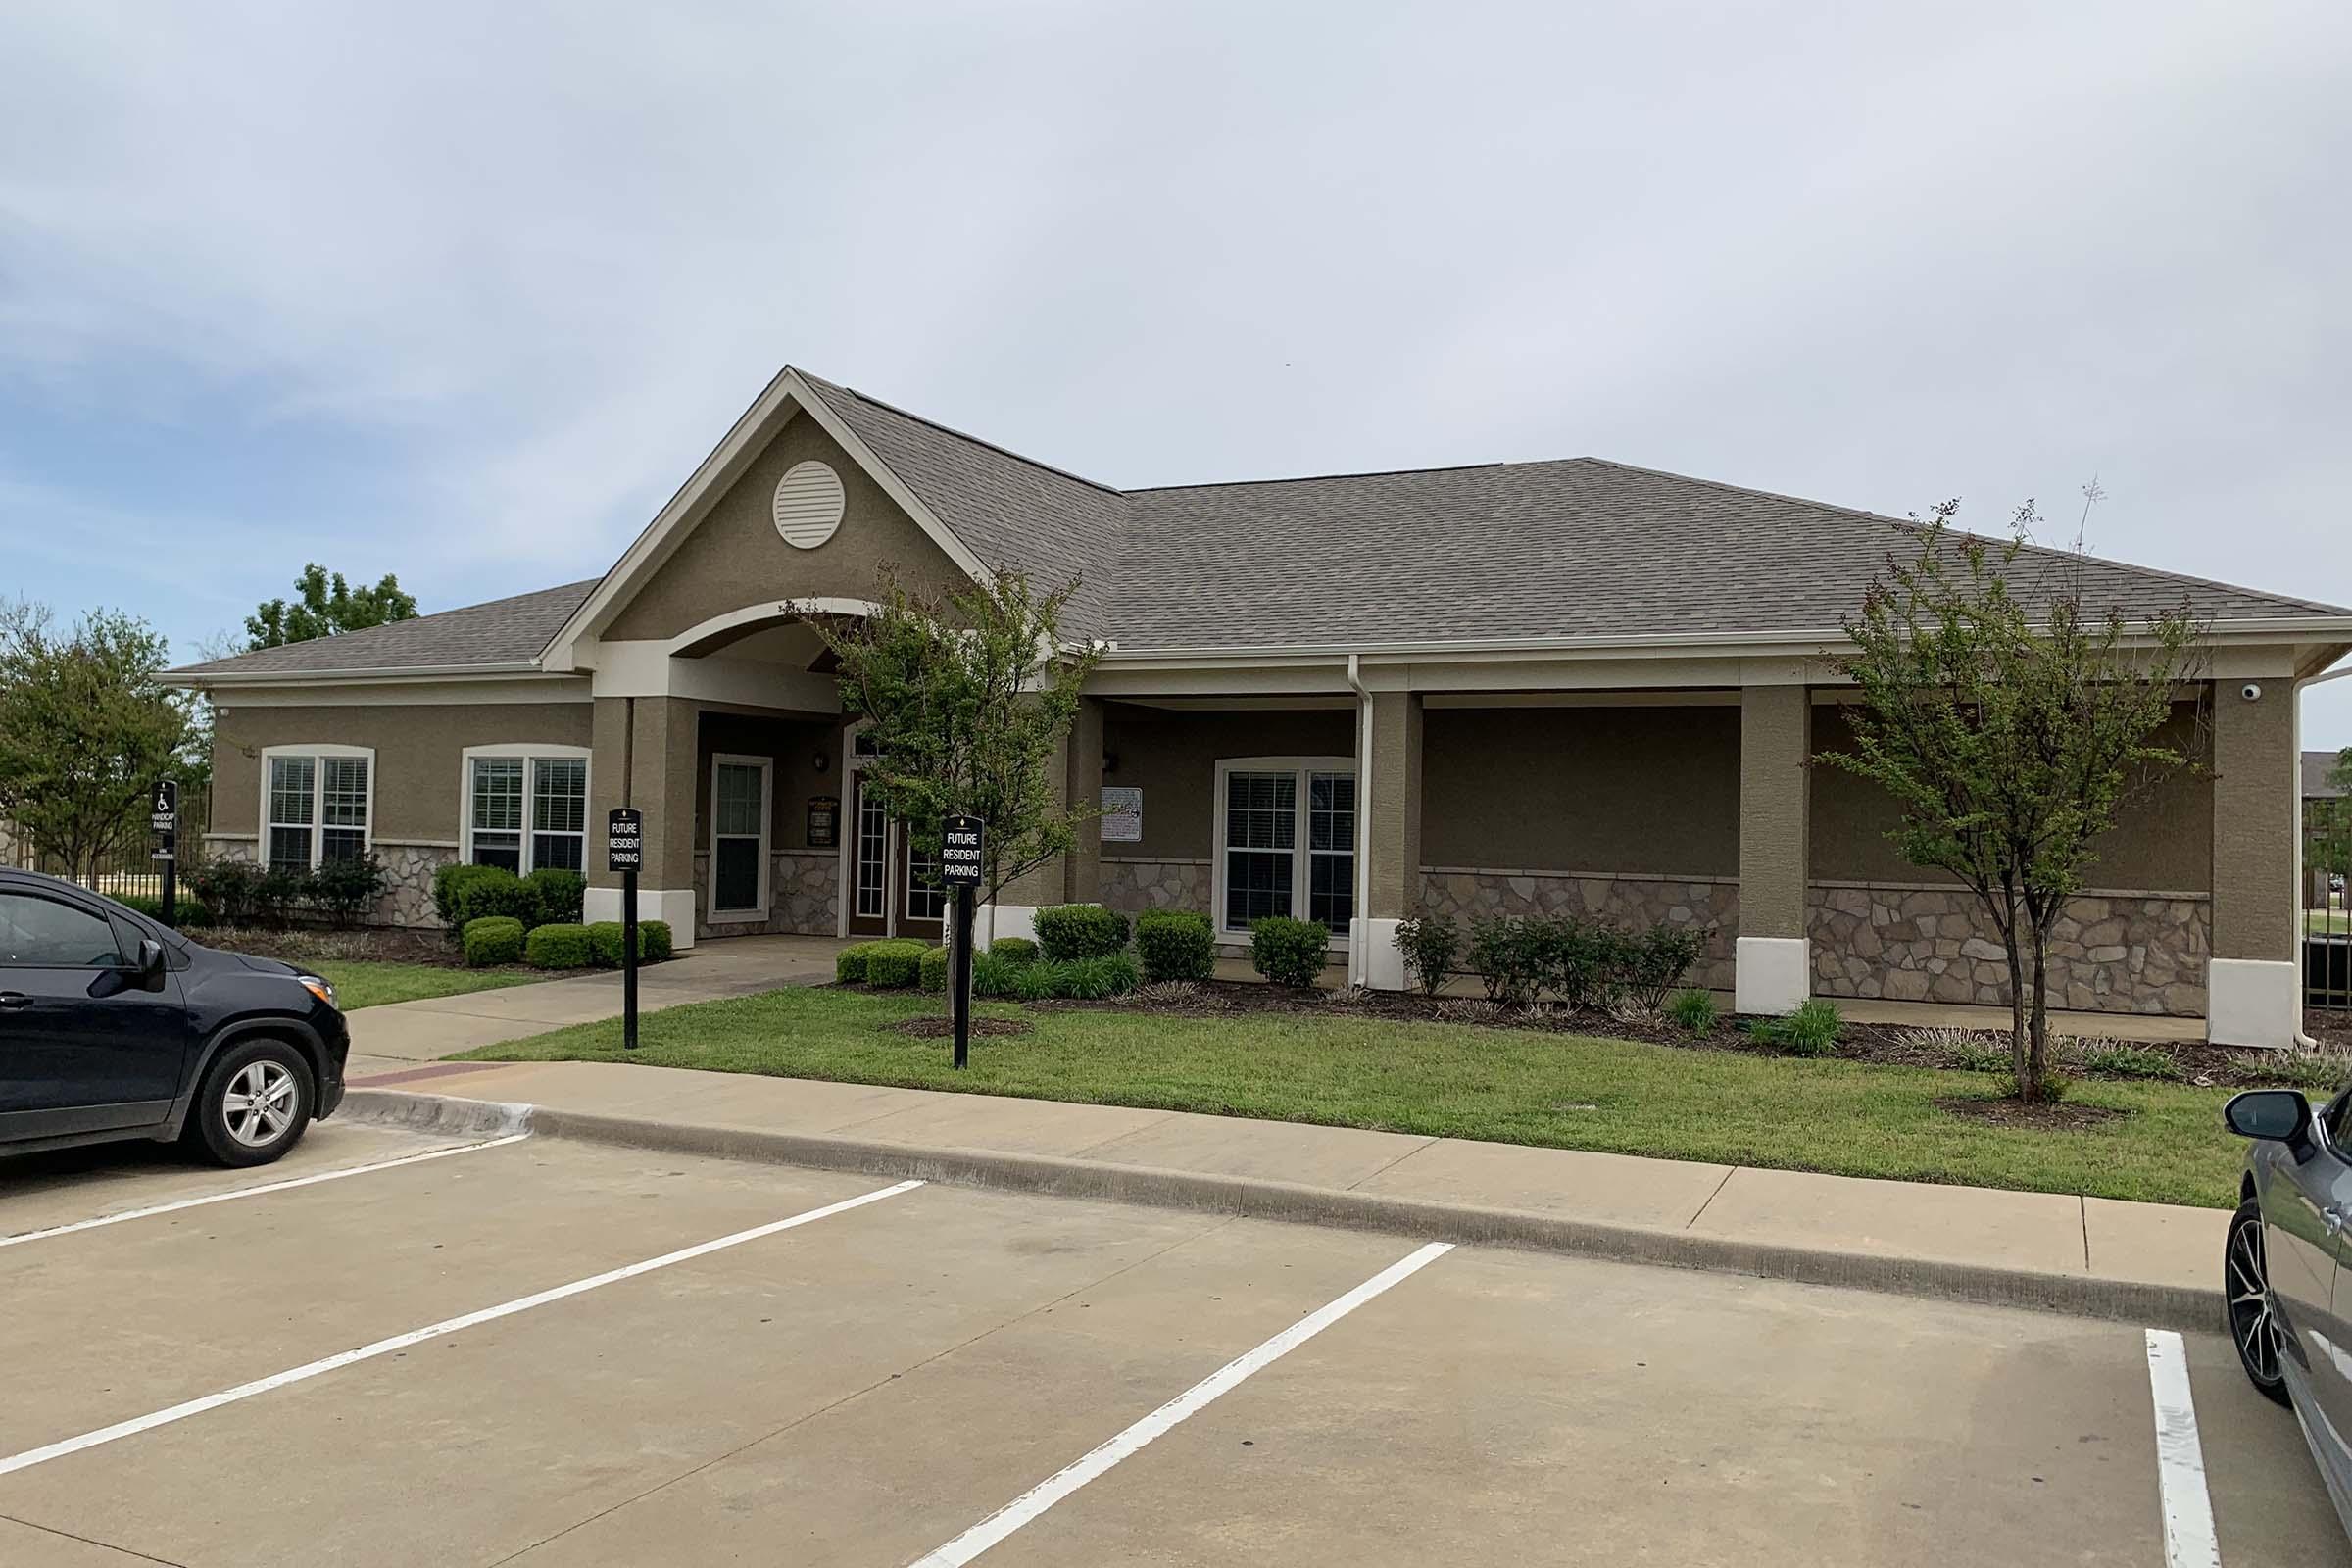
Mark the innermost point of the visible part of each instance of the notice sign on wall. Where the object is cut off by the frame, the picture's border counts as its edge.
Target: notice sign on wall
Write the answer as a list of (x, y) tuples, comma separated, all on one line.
[(1122, 814), (825, 821)]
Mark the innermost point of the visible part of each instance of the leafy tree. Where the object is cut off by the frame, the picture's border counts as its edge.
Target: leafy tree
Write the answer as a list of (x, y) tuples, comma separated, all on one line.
[(2012, 730), (326, 605), (85, 730), (2327, 823), (967, 697)]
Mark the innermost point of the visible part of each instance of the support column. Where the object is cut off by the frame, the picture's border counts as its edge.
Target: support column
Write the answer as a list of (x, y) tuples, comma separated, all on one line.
[(1084, 884), (1015, 912), (1390, 799), (2253, 984), (650, 766), (1773, 959)]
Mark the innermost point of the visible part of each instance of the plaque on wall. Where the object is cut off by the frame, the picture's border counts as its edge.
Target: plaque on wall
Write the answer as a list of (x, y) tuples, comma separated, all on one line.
[(825, 821), (1122, 814)]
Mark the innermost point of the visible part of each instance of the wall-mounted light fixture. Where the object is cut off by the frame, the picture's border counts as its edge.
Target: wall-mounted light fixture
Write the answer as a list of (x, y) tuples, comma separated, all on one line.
[(822, 761)]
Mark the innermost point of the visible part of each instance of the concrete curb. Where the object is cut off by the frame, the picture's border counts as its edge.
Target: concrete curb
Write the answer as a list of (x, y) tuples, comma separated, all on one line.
[(2152, 1306)]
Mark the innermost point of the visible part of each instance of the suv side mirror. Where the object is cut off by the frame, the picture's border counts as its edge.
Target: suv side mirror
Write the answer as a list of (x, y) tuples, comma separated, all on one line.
[(2279, 1114), (151, 962)]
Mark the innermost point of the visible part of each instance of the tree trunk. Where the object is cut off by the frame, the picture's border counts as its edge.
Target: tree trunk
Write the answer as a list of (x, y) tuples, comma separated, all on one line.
[(2040, 1026), (2022, 1062)]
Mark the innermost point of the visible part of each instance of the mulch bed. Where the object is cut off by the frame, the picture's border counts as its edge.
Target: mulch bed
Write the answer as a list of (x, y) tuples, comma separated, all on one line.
[(375, 945), (945, 1028)]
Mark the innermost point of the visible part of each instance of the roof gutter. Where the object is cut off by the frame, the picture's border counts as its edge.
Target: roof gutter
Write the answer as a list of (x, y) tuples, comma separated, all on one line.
[(199, 680)]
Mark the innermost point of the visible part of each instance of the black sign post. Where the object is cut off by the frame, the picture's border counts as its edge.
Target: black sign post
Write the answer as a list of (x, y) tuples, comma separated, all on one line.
[(624, 852), (163, 818), (962, 842)]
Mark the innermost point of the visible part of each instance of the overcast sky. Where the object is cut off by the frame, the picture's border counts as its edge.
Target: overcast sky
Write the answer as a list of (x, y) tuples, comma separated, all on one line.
[(464, 291)]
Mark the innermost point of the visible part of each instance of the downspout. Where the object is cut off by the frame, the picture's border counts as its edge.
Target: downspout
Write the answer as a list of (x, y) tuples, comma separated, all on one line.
[(2303, 1041), (1360, 962)]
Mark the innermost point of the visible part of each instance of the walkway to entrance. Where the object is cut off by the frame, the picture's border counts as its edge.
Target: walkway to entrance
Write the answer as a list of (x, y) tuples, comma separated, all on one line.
[(387, 1038)]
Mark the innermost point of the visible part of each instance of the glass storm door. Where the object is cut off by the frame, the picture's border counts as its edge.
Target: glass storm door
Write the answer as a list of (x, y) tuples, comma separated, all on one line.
[(869, 862)]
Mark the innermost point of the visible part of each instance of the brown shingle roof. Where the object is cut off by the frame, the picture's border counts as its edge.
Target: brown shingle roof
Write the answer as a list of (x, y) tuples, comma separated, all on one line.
[(2317, 765), (503, 631), (1578, 548)]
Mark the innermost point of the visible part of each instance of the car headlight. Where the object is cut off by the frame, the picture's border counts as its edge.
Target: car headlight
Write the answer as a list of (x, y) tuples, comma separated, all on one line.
[(316, 988)]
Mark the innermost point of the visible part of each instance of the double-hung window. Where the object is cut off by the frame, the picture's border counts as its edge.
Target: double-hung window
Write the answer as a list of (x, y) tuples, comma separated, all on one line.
[(526, 807), (316, 804), (1285, 841)]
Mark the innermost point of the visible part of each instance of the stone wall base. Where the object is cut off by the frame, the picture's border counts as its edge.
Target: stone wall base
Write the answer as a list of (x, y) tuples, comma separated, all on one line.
[(2109, 953), (804, 896), (1131, 886)]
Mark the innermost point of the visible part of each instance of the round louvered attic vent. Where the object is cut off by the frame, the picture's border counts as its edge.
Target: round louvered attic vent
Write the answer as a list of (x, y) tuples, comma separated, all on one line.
[(809, 503)]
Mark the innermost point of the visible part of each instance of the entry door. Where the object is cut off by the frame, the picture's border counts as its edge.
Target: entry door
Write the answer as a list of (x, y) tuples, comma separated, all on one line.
[(739, 817), (923, 901), (869, 862)]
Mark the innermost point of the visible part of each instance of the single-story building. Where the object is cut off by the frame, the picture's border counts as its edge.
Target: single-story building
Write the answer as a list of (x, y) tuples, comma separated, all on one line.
[(1557, 686)]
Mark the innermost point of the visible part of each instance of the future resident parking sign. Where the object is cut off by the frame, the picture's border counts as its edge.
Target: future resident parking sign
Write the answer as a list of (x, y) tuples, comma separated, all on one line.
[(961, 842)]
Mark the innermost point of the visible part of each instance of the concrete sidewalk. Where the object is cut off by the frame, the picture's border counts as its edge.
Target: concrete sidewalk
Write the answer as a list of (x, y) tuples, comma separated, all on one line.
[(2142, 1262), (402, 1033)]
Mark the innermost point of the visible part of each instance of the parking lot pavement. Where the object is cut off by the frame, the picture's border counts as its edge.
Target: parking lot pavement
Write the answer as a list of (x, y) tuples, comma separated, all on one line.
[(570, 1354)]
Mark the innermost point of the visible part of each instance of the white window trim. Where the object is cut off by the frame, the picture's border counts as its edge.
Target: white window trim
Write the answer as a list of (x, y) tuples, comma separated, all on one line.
[(1302, 856), (528, 751), (270, 755), (712, 913)]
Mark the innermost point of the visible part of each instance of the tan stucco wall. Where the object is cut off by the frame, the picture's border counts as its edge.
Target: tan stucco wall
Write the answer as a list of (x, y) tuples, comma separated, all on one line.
[(417, 754), (1647, 789), (2164, 844), (733, 557), (1172, 757), (1774, 752), (662, 774), (2255, 856), (1393, 880)]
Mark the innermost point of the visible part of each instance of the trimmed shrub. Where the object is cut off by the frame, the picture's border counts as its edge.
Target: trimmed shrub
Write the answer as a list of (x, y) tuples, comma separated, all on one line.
[(851, 966), (895, 965), (1288, 951), (186, 911), (935, 969), (557, 946), (345, 889), (1653, 963), (448, 880), (1510, 958), (491, 940), (1035, 982), (1011, 949), (604, 939), (494, 890), (1693, 1011), (559, 894), (1068, 931), (278, 894), (1175, 945), (227, 889), (1429, 944)]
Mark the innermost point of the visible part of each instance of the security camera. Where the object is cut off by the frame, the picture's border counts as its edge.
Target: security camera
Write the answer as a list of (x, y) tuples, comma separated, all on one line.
[(2251, 692)]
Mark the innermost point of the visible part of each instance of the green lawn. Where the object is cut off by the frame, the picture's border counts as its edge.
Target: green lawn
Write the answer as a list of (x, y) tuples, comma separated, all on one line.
[(1462, 1081), (366, 983), (2320, 923)]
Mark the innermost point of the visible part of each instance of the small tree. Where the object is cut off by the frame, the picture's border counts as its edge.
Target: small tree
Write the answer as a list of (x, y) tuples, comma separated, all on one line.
[(2327, 824), (85, 732), (325, 606), (967, 697), (2011, 733)]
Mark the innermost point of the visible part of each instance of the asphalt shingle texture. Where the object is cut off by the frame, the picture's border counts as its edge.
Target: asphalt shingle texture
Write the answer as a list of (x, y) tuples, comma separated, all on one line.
[(503, 631)]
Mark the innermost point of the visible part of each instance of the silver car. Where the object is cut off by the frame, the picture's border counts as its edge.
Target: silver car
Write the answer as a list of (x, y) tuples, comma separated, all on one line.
[(2284, 1266)]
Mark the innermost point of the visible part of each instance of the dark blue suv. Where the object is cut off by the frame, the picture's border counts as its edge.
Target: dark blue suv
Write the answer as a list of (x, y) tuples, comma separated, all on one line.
[(114, 1026)]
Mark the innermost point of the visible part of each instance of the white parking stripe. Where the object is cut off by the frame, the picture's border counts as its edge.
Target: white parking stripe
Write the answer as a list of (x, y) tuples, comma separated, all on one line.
[(401, 1341), (2189, 1538), (255, 1192), (1046, 1493)]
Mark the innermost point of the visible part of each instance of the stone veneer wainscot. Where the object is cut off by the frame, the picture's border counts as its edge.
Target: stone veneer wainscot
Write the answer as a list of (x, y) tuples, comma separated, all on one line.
[(2110, 952), (1707, 904)]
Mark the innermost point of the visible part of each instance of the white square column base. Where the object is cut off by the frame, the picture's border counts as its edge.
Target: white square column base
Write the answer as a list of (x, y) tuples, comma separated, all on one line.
[(675, 905), (992, 920), (1382, 959), (2252, 1002), (1771, 975)]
